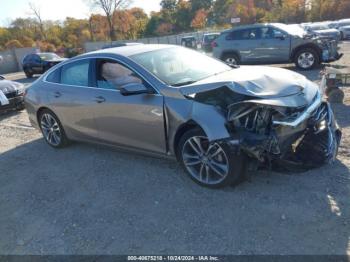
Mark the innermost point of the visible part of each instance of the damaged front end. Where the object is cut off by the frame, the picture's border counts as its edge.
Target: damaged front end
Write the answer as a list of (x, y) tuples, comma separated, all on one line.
[(304, 137), (278, 130)]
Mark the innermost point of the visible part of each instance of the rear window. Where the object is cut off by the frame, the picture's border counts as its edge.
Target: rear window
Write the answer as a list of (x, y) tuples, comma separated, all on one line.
[(54, 77), (76, 73)]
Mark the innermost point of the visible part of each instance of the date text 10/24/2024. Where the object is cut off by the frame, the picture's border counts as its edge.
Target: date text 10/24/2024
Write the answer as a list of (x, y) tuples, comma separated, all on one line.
[(173, 258)]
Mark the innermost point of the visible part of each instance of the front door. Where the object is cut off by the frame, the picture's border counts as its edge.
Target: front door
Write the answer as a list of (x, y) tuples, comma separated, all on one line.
[(135, 121), (273, 45)]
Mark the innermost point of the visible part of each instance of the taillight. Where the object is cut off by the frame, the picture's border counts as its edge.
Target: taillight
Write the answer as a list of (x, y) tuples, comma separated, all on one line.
[(214, 44)]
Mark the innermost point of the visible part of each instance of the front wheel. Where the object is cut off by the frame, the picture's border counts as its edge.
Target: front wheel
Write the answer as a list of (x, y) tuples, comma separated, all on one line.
[(306, 59), (212, 165), (52, 129), (28, 73)]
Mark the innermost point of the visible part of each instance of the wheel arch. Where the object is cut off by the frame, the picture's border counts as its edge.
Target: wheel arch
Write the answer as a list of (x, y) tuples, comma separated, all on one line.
[(309, 45), (41, 109), (182, 129)]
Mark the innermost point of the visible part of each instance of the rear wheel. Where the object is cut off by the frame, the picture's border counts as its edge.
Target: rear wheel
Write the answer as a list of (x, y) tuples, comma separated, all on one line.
[(306, 59), (52, 129), (231, 59), (212, 165)]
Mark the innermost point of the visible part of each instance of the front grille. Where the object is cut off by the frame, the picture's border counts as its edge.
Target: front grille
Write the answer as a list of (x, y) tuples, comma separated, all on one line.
[(11, 95)]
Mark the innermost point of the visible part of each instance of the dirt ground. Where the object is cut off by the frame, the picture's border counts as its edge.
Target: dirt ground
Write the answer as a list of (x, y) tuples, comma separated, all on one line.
[(87, 199)]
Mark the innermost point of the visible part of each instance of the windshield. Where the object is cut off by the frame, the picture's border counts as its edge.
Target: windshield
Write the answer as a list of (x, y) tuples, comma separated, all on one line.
[(49, 56), (177, 66)]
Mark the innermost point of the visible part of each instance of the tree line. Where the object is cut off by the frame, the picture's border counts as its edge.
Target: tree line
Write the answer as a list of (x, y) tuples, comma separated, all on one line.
[(118, 21)]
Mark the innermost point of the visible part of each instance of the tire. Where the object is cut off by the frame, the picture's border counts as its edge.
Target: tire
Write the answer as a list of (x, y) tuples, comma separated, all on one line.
[(306, 59), (28, 73), (231, 59), (229, 166), (50, 124)]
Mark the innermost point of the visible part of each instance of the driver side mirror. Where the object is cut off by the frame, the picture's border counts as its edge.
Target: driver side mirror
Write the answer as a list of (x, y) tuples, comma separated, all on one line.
[(134, 89)]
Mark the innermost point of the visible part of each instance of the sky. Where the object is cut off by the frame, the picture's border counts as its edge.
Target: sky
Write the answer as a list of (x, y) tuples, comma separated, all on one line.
[(59, 9)]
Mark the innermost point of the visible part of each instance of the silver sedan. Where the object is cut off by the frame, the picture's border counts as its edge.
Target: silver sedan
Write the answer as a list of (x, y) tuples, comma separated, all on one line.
[(216, 120)]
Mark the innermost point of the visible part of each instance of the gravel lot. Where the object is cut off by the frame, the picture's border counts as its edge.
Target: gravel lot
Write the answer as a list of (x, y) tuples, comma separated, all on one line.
[(86, 199)]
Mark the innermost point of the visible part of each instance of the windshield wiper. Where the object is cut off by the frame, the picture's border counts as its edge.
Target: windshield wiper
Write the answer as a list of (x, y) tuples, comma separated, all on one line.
[(184, 83)]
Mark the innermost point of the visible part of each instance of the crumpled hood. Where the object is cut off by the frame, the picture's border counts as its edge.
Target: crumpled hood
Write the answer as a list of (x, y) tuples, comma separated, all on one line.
[(7, 86), (284, 87)]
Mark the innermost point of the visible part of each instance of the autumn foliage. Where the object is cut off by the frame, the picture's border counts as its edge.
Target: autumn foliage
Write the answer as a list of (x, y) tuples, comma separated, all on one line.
[(175, 16)]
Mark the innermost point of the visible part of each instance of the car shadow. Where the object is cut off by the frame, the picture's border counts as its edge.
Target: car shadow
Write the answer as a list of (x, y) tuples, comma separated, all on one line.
[(9, 113), (88, 199)]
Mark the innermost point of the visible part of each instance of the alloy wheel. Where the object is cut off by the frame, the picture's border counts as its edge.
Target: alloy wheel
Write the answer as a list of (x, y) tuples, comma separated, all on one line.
[(231, 61), (51, 129), (206, 162), (306, 60)]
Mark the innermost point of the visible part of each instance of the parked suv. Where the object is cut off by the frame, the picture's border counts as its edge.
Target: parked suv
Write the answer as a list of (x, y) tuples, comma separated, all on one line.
[(274, 43), (39, 63), (207, 41)]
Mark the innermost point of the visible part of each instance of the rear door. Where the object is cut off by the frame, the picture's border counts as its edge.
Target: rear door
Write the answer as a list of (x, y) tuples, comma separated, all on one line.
[(73, 99), (135, 121)]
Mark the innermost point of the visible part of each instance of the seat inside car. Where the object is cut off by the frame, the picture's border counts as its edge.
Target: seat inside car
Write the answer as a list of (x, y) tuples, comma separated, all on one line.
[(112, 75)]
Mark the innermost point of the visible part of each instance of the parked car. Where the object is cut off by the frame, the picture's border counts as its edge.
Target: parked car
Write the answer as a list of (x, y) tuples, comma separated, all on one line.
[(208, 40), (323, 31), (345, 32), (189, 41), (273, 43), (11, 95), (340, 23), (119, 44), (39, 63), (161, 100)]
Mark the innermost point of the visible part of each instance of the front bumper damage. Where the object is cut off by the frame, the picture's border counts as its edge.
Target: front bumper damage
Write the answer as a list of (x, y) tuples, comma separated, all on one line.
[(330, 51), (310, 141)]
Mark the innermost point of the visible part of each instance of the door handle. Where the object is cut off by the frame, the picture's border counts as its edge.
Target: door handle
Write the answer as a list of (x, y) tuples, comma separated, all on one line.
[(100, 99), (57, 94)]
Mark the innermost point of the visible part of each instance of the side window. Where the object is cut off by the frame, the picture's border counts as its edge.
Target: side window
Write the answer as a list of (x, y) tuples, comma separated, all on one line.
[(55, 76), (244, 34), (234, 35), (112, 75), (76, 73), (266, 33)]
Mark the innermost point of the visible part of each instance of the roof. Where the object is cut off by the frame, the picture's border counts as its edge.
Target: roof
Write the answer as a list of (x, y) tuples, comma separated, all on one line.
[(131, 50)]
